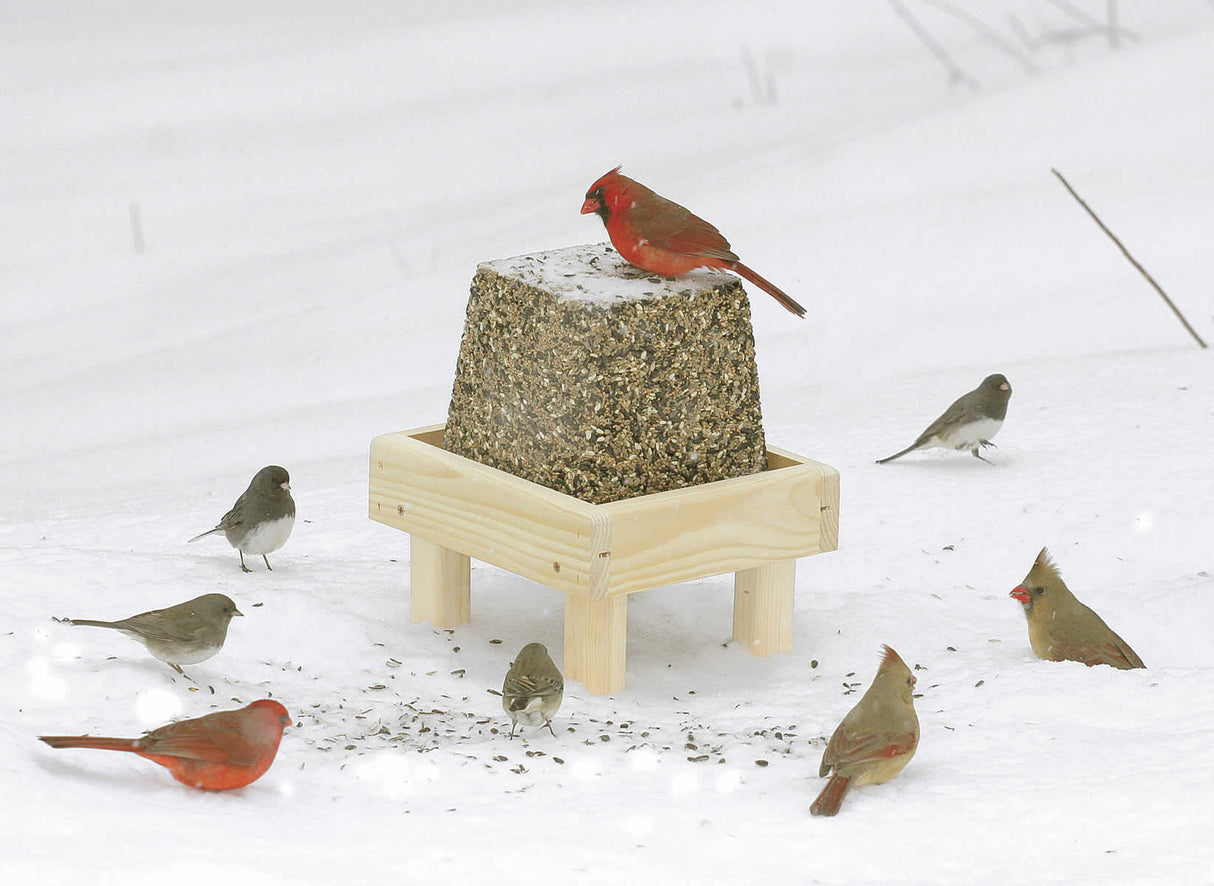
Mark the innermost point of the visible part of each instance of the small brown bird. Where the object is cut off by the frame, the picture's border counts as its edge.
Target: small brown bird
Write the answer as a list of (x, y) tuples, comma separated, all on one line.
[(533, 689), (262, 519), (1063, 629), (876, 739), (184, 634)]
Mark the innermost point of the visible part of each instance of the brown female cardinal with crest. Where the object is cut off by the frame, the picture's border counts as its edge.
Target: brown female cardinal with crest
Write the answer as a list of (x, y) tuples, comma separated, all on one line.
[(876, 739), (660, 236), (1063, 629)]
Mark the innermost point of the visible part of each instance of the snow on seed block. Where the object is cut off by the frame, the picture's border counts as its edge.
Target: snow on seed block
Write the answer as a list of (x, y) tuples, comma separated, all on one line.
[(584, 374)]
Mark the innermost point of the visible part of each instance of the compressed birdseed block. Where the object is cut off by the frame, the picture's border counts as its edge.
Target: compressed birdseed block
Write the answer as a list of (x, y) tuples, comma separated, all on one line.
[(584, 374)]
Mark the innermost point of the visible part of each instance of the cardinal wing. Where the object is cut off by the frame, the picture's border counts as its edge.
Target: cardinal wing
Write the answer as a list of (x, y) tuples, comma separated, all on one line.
[(215, 738), (1115, 652), (848, 748), (668, 225)]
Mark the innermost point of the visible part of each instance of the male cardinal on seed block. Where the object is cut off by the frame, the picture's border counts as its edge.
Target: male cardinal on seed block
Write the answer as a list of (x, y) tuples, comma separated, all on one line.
[(876, 739), (218, 752), (1063, 629), (660, 236)]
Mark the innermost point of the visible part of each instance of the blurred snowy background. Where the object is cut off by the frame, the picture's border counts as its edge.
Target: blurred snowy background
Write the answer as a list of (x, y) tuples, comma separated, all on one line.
[(238, 234)]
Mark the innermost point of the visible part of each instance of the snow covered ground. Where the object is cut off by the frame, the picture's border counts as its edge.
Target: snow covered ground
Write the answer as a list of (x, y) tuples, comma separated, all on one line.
[(315, 184)]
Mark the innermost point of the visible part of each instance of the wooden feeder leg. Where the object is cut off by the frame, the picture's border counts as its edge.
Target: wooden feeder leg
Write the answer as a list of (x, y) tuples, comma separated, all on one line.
[(596, 633), (763, 607), (441, 585)]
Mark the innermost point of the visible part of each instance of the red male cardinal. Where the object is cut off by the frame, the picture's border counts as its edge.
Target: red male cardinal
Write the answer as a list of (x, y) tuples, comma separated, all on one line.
[(659, 235), (218, 752), (1063, 629), (876, 739)]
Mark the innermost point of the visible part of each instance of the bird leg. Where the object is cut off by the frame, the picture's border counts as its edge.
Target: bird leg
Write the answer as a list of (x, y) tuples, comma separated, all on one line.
[(512, 725), (244, 568), (268, 566), (548, 723), (974, 453)]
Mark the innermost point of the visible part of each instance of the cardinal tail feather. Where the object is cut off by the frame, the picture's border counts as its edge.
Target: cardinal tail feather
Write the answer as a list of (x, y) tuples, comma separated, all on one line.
[(770, 288), (90, 741), (832, 795)]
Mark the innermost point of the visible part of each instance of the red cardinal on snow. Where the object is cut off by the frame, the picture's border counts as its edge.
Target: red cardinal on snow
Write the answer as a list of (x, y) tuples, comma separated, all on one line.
[(218, 752), (660, 236)]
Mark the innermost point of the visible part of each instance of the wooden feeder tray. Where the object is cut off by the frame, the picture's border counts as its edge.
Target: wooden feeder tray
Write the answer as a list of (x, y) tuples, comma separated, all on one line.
[(755, 526)]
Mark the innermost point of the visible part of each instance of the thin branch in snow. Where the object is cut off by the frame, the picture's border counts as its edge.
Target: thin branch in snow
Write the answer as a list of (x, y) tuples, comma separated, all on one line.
[(1113, 30), (955, 73), (137, 228), (1126, 253), (984, 30)]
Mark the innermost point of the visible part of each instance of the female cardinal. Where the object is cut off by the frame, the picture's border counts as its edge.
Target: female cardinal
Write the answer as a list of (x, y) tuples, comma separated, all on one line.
[(876, 739), (218, 752), (659, 235), (1063, 629)]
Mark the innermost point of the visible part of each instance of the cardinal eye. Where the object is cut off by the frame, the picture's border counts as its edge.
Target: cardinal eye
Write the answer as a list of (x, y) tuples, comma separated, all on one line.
[(1037, 592)]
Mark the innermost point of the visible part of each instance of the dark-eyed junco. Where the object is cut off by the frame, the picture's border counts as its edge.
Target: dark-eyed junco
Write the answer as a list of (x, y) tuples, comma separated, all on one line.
[(261, 520), (184, 634), (1063, 629), (876, 739), (533, 689), (969, 423)]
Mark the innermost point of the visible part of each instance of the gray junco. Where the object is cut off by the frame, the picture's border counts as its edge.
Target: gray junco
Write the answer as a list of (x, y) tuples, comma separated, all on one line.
[(261, 520), (533, 689), (184, 634), (969, 423)]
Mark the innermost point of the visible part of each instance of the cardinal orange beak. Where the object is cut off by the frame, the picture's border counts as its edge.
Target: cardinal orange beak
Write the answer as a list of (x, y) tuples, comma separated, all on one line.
[(1021, 593), (591, 205)]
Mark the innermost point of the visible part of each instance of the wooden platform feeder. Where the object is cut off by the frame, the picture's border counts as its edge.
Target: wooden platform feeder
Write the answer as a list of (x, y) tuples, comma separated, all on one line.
[(754, 526), (607, 439)]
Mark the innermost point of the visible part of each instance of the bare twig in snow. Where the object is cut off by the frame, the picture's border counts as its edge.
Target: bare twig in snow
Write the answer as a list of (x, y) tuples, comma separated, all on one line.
[(137, 228), (762, 89), (984, 30), (1021, 31), (1126, 253), (1113, 30), (955, 74)]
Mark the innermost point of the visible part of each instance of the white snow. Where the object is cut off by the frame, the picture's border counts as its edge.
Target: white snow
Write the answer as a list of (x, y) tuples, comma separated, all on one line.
[(595, 274), (316, 185)]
